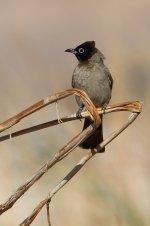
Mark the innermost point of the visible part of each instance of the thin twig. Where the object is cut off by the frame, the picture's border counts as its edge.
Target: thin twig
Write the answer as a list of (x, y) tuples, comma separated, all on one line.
[(127, 106), (58, 156), (134, 107), (48, 212), (49, 100), (34, 213), (78, 166)]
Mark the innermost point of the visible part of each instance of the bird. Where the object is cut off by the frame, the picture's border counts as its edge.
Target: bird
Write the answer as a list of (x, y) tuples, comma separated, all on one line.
[(92, 76)]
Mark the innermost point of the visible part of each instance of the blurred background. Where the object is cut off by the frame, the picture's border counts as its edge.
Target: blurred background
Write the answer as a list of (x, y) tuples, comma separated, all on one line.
[(113, 189)]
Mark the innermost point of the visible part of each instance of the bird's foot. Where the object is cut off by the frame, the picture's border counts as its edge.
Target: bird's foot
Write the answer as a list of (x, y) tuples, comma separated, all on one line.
[(104, 107), (78, 114)]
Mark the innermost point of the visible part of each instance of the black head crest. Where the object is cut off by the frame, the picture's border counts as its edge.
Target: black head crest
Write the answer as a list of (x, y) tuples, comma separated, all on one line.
[(84, 51)]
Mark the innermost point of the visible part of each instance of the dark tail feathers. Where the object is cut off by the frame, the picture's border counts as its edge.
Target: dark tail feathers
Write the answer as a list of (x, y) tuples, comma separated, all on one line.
[(96, 137)]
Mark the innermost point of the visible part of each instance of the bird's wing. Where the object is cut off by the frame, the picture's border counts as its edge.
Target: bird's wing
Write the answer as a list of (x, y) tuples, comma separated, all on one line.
[(110, 79)]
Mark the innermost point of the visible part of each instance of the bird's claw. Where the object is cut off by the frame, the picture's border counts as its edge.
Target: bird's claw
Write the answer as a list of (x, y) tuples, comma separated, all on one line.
[(78, 114), (104, 107)]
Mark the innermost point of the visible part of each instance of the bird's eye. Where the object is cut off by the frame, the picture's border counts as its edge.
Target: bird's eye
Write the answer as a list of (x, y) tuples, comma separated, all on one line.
[(81, 50)]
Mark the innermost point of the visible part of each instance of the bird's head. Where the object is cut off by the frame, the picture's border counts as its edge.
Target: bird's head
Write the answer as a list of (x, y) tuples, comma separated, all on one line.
[(84, 51)]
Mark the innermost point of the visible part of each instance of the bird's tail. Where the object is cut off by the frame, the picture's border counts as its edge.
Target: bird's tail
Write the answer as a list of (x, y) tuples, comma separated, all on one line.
[(96, 138)]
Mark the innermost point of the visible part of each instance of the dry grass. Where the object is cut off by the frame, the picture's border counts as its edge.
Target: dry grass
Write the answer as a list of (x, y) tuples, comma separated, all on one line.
[(134, 107)]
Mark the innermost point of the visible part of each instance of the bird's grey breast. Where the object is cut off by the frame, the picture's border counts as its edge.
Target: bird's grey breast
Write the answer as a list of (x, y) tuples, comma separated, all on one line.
[(94, 80)]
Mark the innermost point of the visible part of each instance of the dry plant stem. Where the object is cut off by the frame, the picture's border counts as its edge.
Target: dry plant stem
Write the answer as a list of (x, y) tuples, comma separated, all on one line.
[(49, 100), (127, 106), (58, 156), (78, 166), (48, 212), (34, 213)]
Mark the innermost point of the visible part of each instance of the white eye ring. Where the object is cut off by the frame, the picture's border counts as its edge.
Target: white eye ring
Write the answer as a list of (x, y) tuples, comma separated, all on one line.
[(81, 50)]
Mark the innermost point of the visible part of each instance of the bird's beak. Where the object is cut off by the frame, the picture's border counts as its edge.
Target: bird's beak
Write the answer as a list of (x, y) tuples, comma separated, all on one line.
[(71, 50)]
